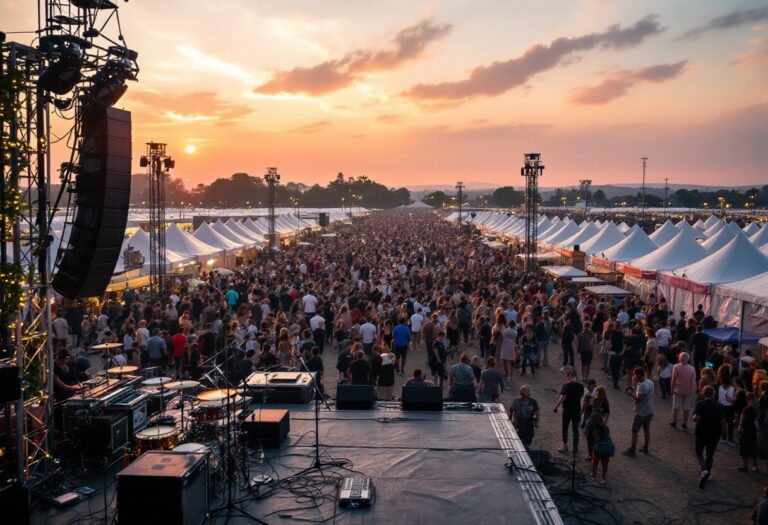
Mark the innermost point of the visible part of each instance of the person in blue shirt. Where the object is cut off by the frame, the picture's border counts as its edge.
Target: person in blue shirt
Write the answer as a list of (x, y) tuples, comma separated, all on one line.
[(401, 338), (232, 298)]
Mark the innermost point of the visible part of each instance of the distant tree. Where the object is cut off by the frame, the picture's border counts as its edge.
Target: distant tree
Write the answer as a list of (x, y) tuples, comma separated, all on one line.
[(507, 197), (436, 199), (598, 198)]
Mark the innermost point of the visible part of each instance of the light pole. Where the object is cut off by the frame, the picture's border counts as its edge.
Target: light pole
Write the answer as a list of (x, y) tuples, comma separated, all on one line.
[(459, 189), (642, 213)]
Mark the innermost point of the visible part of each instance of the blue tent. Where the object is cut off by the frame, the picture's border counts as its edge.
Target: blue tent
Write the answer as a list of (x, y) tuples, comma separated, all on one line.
[(730, 335)]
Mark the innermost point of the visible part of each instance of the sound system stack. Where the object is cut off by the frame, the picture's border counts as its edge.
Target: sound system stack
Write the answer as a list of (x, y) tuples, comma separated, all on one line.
[(281, 387), (323, 220), (422, 398), (103, 190), (267, 428), (355, 397), (168, 488), (101, 436)]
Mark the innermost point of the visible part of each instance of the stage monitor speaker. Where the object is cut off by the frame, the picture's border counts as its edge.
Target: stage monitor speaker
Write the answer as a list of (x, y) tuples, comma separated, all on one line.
[(423, 398), (355, 397), (100, 436), (323, 219), (267, 427), (10, 384), (169, 488), (103, 191)]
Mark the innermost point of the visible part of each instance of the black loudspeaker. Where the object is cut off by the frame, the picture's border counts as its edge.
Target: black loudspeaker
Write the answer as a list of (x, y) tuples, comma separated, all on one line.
[(267, 428), (576, 247), (355, 397), (15, 502), (168, 488), (10, 385), (103, 191), (423, 398), (322, 219), (100, 436)]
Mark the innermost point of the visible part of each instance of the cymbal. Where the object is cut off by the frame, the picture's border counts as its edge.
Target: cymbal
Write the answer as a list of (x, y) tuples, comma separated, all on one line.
[(157, 381), (217, 395), (107, 346), (183, 385), (122, 369)]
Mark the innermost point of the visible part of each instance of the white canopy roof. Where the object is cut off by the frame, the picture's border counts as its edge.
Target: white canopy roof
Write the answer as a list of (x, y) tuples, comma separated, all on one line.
[(682, 250), (565, 232), (139, 241), (635, 245), (241, 240), (186, 245), (751, 228), (623, 227), (712, 230), (719, 239), (753, 289), (210, 236), (564, 272), (711, 221), (609, 236), (607, 289), (631, 229), (554, 228), (586, 233), (238, 228), (664, 234), (699, 224), (760, 238), (737, 260)]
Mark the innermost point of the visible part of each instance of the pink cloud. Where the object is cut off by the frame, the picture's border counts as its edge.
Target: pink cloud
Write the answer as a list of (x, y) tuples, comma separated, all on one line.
[(617, 84)]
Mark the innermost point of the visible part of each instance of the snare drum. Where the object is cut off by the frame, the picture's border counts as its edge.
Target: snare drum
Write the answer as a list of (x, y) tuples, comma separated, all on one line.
[(156, 438), (209, 411)]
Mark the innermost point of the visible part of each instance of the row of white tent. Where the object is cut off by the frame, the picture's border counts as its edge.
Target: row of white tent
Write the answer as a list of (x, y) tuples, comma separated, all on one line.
[(713, 262), (212, 242)]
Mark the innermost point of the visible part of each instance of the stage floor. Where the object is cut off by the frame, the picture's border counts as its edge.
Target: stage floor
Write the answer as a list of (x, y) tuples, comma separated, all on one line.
[(426, 467)]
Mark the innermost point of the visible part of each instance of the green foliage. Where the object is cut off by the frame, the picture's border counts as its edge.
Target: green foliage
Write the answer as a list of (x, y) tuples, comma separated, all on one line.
[(437, 199), (507, 197)]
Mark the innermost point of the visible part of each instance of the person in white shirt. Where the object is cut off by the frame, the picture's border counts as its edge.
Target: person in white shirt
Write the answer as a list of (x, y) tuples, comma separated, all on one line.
[(309, 304), (663, 338), (60, 328), (368, 333), (417, 322), (317, 321), (511, 314)]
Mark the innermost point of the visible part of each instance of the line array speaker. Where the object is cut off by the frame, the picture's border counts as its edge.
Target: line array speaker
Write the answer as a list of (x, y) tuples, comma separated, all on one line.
[(103, 190)]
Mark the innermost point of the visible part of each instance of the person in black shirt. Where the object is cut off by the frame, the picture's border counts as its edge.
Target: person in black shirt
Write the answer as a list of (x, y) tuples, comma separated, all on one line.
[(359, 371), (267, 359), (207, 342), (566, 339), (570, 399), (343, 362), (65, 379), (699, 343), (710, 427)]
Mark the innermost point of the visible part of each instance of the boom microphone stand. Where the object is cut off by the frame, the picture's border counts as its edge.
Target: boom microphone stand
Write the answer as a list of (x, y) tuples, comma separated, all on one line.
[(318, 397)]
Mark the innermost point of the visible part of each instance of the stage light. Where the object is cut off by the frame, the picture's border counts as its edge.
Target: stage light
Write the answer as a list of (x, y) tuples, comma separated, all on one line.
[(108, 85), (64, 73), (144, 161), (169, 163)]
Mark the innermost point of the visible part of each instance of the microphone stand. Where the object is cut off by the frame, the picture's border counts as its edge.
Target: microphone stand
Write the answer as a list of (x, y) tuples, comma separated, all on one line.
[(318, 397)]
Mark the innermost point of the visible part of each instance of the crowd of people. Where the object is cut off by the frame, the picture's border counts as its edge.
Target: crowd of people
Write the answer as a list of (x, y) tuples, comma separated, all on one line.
[(403, 288)]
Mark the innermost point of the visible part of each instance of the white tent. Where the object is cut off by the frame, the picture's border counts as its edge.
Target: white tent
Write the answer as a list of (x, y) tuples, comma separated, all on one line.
[(686, 226), (609, 236), (664, 234), (719, 225), (186, 245), (241, 230), (554, 228), (760, 238), (258, 227), (419, 204), (623, 227), (751, 228), (699, 225), (682, 224), (686, 287), (633, 246), (586, 233), (570, 229), (719, 239), (681, 251), (564, 272), (241, 240), (711, 221), (208, 235), (139, 241), (631, 229), (744, 304)]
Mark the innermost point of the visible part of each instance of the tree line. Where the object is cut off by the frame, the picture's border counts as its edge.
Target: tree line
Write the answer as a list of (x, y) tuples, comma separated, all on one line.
[(243, 190)]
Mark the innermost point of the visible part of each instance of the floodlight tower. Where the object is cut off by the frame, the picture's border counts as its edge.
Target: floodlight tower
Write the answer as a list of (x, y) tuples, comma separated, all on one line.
[(273, 178), (532, 169), (459, 189), (159, 164), (584, 185), (642, 204)]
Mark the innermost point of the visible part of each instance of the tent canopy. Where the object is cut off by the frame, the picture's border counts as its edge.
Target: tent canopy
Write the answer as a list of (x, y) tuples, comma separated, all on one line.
[(608, 289), (729, 335), (565, 272)]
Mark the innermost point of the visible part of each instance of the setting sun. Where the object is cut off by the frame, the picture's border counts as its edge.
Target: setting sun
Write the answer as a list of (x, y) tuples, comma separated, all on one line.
[(190, 149)]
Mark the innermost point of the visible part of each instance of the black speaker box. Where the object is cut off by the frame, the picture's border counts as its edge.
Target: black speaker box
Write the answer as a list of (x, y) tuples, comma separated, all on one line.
[(355, 397), (101, 436), (164, 488), (15, 502), (267, 428), (103, 190), (576, 247), (323, 220), (423, 398), (10, 385)]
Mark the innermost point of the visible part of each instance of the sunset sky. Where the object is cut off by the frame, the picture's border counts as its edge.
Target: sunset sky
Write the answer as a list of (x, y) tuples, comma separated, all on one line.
[(416, 93)]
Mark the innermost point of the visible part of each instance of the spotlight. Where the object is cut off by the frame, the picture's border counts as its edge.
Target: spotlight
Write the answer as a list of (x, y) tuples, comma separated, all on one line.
[(169, 163), (144, 161), (108, 85), (64, 73)]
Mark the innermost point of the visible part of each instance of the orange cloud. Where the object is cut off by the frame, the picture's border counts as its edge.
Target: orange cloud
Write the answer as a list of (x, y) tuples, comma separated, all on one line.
[(190, 107), (500, 77), (617, 84), (332, 75)]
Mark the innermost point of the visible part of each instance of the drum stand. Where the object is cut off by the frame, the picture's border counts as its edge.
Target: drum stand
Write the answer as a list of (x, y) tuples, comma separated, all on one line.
[(230, 505)]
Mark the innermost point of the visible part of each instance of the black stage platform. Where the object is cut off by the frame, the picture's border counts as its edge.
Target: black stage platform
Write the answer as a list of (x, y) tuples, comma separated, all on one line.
[(426, 467)]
